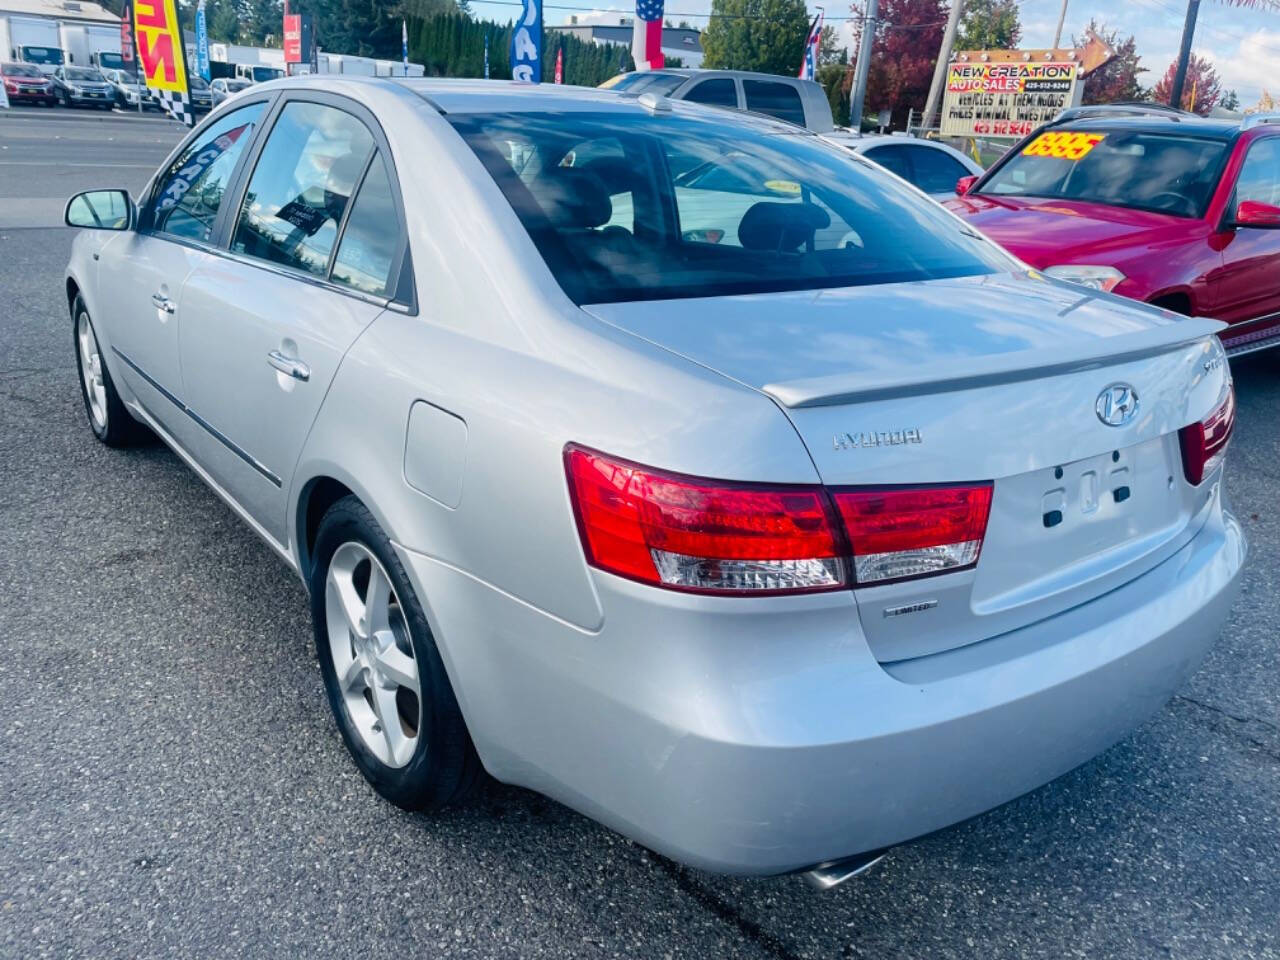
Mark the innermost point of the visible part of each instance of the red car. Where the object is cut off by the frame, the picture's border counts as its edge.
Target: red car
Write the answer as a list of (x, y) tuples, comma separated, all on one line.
[(24, 83), (1154, 204)]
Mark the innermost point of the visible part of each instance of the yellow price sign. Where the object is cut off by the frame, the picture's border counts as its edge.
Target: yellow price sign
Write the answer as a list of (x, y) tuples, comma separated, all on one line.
[(1063, 144)]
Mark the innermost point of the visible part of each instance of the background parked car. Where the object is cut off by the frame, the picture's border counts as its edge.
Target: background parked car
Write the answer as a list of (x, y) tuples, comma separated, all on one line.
[(797, 101), (1149, 203), (224, 87), (24, 83), (83, 87), (201, 95), (129, 89), (932, 166)]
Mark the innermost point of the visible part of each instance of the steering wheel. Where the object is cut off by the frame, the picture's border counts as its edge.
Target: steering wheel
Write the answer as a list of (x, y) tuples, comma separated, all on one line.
[(1180, 203)]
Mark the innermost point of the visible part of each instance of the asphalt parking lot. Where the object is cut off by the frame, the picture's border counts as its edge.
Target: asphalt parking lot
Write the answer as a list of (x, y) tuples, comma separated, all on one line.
[(171, 783)]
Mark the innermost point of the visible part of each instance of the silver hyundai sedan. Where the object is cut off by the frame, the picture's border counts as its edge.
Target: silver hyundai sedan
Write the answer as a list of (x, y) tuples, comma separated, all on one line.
[(669, 462)]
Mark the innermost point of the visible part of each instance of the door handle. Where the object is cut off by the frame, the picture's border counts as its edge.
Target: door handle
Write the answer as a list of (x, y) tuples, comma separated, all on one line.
[(163, 303), (288, 365)]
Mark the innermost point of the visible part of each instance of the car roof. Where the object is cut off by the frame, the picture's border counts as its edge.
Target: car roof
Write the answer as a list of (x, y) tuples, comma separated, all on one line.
[(503, 96), (1210, 128)]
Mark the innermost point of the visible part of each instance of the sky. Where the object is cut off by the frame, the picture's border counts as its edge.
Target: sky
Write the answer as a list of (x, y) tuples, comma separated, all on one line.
[(1244, 45)]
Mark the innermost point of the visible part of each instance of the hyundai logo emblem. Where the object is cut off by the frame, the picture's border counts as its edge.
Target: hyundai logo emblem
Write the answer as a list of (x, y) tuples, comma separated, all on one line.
[(1117, 404)]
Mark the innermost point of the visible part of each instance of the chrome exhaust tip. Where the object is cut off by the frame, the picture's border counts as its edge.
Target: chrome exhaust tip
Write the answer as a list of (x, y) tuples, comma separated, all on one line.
[(835, 872)]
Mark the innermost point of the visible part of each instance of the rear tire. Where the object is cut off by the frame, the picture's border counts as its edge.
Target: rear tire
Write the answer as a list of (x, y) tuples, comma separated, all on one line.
[(109, 419), (383, 674)]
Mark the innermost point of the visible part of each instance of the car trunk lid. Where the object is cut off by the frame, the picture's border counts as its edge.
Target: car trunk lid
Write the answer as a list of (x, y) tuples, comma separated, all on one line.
[(993, 378)]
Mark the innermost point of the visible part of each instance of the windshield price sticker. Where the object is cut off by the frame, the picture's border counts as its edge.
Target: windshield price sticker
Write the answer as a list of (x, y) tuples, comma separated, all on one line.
[(1063, 144)]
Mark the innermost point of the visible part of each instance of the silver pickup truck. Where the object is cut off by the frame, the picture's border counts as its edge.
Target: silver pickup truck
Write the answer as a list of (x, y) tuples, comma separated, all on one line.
[(802, 102)]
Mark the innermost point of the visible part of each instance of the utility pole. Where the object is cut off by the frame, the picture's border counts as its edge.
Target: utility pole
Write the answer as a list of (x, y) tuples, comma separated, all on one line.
[(864, 64), (1062, 18), (940, 68), (1184, 56)]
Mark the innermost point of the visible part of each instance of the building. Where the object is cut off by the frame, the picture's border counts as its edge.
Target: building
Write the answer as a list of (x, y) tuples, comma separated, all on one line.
[(682, 43)]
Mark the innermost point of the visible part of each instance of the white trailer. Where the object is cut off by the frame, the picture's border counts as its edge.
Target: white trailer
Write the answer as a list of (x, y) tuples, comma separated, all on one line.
[(82, 43), (31, 40)]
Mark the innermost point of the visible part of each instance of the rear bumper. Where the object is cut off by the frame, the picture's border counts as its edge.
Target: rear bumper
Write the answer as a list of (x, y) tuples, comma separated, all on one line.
[(762, 737)]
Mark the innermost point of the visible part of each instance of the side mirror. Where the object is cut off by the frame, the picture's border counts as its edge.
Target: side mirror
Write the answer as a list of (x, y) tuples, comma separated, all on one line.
[(965, 184), (1254, 213), (101, 210)]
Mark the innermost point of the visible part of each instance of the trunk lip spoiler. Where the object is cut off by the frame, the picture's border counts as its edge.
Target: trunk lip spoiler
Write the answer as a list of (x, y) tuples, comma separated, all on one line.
[(964, 373)]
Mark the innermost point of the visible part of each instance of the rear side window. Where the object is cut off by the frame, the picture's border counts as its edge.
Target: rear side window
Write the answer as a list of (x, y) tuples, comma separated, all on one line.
[(779, 100), (936, 171), (190, 193), (371, 237), (717, 93), (308, 170), (1260, 176), (896, 159)]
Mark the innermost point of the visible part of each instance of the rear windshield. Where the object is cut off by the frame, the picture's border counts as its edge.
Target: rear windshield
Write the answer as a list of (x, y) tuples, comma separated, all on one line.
[(1165, 173), (20, 70), (636, 207)]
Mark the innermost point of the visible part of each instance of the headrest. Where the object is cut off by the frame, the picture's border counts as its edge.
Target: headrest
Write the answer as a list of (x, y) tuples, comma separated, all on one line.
[(615, 174), (572, 199), (769, 225)]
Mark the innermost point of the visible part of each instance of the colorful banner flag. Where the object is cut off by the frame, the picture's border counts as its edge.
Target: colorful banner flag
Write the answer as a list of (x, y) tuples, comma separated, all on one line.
[(560, 65), (646, 35), (404, 44), (126, 37), (202, 43), (486, 56), (812, 44), (162, 57), (526, 44)]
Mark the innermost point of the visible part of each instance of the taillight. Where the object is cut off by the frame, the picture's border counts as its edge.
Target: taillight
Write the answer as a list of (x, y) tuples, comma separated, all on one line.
[(900, 532), (1204, 444), (708, 536), (700, 535)]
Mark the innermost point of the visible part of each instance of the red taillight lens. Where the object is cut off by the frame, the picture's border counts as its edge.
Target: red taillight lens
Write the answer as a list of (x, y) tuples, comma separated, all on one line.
[(709, 536), (700, 535), (1204, 444), (899, 532)]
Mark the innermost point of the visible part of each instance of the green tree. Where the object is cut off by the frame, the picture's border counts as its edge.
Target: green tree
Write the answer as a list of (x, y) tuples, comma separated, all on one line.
[(1230, 101), (829, 49), (763, 35), (989, 25)]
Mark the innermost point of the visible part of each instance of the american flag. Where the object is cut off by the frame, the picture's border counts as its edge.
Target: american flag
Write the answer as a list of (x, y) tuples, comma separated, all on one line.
[(646, 35), (809, 66)]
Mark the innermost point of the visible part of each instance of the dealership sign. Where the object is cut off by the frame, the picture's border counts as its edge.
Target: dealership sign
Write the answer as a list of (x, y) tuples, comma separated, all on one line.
[(986, 97)]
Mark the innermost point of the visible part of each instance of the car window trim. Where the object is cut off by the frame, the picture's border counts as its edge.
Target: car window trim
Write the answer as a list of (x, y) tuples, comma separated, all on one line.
[(240, 184), (149, 191), (346, 215)]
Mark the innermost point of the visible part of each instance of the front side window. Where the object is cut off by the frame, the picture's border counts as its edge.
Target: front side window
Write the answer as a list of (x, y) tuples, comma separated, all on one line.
[(719, 92), (1165, 173), (710, 207), (313, 160), (366, 253), (1260, 176), (189, 194), (775, 99)]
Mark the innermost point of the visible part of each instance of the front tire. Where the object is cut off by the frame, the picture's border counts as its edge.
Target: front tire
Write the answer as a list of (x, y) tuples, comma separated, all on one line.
[(383, 674), (109, 420)]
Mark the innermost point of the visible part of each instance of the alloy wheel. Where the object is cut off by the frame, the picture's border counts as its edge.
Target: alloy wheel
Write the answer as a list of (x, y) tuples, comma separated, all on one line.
[(91, 371), (373, 656)]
